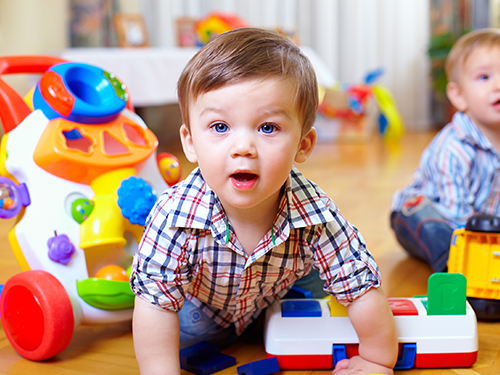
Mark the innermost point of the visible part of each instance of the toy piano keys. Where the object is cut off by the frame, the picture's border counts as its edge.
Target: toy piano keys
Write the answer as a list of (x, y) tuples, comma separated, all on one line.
[(439, 330)]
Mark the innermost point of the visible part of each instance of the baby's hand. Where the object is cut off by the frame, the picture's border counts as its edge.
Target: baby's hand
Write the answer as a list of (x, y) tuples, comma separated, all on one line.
[(357, 365)]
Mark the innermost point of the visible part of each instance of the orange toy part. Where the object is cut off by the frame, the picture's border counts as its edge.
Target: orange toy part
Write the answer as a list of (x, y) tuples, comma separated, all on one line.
[(112, 272), (52, 86), (80, 153)]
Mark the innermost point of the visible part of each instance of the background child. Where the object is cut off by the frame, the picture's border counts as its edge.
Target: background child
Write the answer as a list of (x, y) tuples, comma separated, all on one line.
[(459, 171), (244, 226)]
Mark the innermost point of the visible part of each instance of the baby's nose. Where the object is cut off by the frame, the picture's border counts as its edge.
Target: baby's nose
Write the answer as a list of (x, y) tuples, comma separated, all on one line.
[(244, 145)]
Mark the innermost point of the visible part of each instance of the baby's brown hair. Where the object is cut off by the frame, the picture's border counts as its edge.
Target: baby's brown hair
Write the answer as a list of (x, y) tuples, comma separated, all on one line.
[(249, 53), (464, 46)]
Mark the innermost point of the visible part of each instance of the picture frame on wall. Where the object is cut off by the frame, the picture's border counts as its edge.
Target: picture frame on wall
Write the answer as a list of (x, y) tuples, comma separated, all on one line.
[(131, 30)]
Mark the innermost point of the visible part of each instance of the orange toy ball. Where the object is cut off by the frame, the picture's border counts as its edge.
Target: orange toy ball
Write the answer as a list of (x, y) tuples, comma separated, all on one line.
[(112, 272), (169, 167)]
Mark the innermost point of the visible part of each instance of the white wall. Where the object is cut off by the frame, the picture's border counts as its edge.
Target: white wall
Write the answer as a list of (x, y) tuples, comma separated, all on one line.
[(32, 27), (352, 37)]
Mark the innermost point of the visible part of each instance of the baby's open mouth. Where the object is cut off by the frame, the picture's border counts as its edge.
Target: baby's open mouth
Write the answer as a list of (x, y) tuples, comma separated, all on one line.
[(243, 177), (243, 180)]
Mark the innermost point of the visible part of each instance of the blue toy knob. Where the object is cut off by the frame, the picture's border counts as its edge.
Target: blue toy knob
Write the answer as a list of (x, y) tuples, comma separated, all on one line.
[(136, 198)]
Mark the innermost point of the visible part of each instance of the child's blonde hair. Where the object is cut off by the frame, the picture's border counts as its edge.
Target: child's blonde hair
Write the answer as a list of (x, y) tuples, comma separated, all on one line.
[(249, 53), (464, 46)]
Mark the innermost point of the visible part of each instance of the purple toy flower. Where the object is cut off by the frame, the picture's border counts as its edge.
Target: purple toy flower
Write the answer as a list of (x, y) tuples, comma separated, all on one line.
[(60, 249)]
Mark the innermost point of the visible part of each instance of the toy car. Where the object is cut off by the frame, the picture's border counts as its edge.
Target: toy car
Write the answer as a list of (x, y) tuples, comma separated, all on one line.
[(80, 172), (439, 330), (475, 252)]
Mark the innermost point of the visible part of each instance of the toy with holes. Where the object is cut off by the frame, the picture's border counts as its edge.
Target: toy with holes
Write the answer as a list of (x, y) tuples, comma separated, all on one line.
[(475, 252), (439, 330), (80, 172)]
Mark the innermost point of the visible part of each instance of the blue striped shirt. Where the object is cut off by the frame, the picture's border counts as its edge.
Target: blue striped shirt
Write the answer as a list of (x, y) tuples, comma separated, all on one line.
[(185, 253), (459, 172)]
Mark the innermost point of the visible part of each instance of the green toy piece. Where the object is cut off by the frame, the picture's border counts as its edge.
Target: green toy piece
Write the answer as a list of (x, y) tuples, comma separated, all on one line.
[(446, 294), (81, 209), (106, 294)]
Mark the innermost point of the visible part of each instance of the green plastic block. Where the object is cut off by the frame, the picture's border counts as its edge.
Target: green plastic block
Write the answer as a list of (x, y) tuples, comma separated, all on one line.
[(446, 294)]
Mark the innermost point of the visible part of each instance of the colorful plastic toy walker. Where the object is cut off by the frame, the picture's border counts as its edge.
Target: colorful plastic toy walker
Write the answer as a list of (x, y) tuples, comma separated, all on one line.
[(80, 172)]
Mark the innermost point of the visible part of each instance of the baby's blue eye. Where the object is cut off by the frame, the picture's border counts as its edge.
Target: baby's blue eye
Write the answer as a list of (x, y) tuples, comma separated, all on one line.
[(483, 77), (220, 127), (268, 128)]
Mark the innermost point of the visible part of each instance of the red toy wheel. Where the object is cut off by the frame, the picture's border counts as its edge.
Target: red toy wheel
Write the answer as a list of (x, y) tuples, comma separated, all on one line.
[(37, 315)]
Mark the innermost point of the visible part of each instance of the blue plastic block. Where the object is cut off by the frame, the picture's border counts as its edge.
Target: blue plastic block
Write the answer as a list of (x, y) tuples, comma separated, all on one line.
[(204, 359), (339, 353), (300, 309), (407, 359), (298, 292), (262, 367)]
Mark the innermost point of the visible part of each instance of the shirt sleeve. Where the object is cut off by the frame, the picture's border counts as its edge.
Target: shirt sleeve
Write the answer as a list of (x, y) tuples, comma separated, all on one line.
[(344, 261), (160, 271)]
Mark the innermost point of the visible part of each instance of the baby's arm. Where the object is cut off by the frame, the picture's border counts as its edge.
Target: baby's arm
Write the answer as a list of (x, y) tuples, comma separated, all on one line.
[(372, 319), (156, 339)]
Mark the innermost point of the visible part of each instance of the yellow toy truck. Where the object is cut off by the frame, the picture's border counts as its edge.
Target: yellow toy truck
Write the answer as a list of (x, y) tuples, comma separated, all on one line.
[(475, 252)]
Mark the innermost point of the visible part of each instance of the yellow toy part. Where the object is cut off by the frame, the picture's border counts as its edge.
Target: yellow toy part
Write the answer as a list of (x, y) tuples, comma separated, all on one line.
[(387, 106), (106, 224), (336, 308), (477, 256), (16, 248)]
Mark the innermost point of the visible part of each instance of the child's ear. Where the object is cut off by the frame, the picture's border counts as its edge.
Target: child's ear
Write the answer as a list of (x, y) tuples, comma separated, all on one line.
[(455, 96), (306, 146), (187, 144)]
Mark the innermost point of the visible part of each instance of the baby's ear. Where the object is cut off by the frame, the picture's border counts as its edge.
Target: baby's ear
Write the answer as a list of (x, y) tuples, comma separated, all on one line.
[(306, 146), (187, 144), (454, 93)]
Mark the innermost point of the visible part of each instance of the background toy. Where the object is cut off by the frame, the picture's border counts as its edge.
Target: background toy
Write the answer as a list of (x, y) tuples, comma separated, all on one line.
[(475, 252), (439, 330), (79, 171), (356, 108), (204, 359), (216, 23), (262, 367)]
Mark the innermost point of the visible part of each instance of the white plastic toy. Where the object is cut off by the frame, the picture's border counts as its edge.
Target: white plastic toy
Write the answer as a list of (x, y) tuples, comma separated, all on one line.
[(439, 330), (80, 172)]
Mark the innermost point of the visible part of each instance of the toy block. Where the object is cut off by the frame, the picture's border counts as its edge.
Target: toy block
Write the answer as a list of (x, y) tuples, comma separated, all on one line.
[(339, 353), (262, 367), (300, 309), (446, 294), (298, 292), (204, 359)]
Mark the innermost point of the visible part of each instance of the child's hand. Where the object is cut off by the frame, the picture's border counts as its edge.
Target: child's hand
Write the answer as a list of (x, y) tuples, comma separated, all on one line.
[(357, 365)]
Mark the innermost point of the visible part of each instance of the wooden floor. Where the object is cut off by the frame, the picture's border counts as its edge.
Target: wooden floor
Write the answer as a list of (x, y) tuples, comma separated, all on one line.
[(361, 179)]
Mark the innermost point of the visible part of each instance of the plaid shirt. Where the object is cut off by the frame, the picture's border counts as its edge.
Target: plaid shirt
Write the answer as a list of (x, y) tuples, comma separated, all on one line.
[(459, 171), (184, 254)]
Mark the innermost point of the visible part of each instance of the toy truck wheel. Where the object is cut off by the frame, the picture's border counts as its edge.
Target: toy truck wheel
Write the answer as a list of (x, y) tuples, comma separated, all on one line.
[(484, 223), (36, 315)]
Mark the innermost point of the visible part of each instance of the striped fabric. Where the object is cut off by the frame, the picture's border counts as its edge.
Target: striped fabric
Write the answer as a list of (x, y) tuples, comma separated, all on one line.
[(459, 171), (186, 253)]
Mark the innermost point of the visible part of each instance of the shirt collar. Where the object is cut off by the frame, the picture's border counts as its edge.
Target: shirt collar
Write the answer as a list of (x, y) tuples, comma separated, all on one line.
[(468, 132), (197, 206), (307, 203)]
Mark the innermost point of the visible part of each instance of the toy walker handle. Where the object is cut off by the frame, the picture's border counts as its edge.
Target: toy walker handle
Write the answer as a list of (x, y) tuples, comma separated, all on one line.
[(13, 109)]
